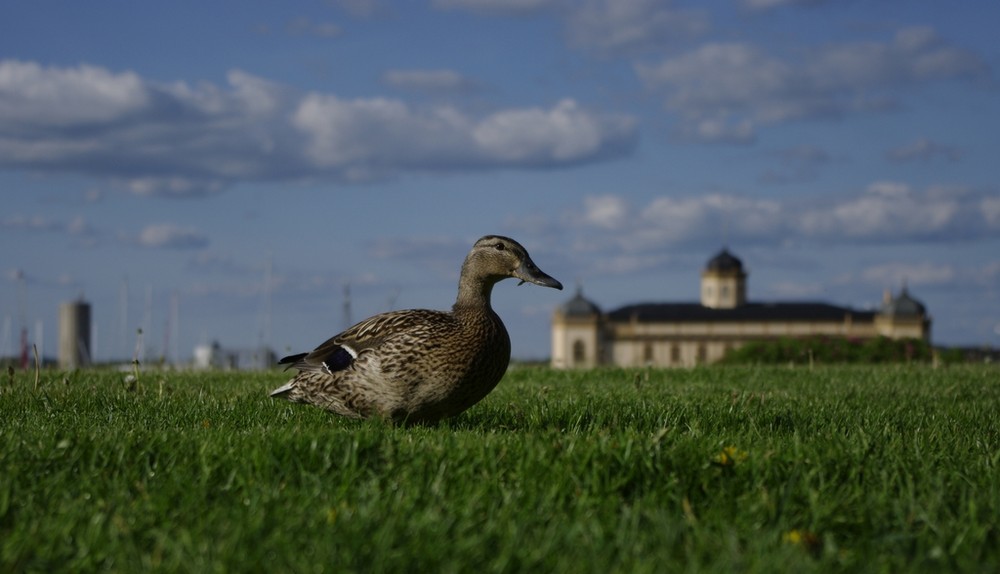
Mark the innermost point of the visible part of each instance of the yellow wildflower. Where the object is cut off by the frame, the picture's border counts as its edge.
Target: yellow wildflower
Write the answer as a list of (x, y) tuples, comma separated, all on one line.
[(792, 536), (730, 456), (803, 538)]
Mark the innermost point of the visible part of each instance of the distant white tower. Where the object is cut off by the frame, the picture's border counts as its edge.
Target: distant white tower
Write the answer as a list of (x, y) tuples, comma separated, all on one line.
[(74, 334)]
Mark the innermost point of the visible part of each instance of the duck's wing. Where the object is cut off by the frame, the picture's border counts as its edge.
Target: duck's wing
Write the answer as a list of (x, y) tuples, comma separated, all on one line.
[(340, 351)]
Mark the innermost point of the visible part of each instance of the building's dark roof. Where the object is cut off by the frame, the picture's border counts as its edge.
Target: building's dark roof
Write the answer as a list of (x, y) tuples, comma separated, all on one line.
[(904, 306), (724, 261), (695, 312), (579, 306)]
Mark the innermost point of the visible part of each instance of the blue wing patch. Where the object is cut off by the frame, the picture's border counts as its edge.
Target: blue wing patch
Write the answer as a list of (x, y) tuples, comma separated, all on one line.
[(338, 359)]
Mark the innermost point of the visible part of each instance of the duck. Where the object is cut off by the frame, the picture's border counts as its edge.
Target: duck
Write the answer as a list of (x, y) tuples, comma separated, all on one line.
[(418, 366)]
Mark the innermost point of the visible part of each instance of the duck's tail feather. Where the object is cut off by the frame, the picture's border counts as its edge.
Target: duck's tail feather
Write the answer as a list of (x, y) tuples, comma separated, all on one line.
[(291, 360)]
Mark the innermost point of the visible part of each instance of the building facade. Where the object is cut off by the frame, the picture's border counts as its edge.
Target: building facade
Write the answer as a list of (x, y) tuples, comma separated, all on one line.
[(689, 334)]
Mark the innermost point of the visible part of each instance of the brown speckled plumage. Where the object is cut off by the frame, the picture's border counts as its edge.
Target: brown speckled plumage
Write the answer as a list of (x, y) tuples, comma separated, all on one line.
[(418, 365)]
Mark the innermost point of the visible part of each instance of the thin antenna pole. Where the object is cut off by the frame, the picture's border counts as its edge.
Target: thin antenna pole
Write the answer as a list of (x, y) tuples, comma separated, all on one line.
[(175, 320), (725, 226), (123, 330), (22, 319), (268, 273), (147, 320), (8, 349), (166, 339)]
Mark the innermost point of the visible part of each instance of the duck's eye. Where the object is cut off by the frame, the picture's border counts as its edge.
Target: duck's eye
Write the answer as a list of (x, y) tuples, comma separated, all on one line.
[(500, 246)]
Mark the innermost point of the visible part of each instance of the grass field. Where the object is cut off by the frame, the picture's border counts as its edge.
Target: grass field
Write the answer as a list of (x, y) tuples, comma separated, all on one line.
[(735, 469)]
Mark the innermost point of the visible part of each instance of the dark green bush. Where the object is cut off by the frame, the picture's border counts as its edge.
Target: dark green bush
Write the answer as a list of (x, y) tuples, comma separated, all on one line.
[(827, 350)]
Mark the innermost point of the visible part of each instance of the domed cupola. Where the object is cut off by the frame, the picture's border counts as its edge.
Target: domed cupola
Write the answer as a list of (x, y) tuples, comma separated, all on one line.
[(725, 262), (577, 333), (723, 282), (903, 316), (579, 306), (903, 305)]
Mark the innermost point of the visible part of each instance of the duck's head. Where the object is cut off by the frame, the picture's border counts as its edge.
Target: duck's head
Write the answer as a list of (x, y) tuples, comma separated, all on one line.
[(495, 257)]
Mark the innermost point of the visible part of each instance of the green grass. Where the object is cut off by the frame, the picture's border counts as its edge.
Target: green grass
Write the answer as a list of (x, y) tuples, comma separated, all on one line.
[(752, 469)]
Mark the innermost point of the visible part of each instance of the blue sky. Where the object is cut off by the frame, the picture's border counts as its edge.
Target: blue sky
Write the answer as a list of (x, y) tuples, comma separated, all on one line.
[(159, 158)]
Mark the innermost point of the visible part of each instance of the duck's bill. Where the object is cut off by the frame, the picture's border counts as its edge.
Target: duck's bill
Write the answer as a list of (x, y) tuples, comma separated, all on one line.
[(530, 273)]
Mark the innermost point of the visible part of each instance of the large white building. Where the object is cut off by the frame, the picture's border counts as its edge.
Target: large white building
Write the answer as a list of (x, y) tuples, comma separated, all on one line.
[(688, 334)]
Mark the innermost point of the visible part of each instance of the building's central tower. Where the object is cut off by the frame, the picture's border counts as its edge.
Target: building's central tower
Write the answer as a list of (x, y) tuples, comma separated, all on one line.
[(723, 282)]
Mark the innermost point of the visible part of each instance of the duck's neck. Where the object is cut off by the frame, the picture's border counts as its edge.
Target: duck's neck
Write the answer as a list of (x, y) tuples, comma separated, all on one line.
[(473, 291)]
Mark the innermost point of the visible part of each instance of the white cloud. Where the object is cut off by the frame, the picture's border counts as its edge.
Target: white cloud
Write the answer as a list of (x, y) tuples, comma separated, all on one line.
[(182, 140), (364, 137), (725, 91), (33, 96), (79, 226), (629, 236), (169, 236), (914, 55), (889, 209), (14, 275), (253, 95), (711, 216), (990, 207), (160, 132), (564, 133), (616, 26), (607, 233), (719, 129), (604, 26), (172, 187), (606, 211), (896, 273)]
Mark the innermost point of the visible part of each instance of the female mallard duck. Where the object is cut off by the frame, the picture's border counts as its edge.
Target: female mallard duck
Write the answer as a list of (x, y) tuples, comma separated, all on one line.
[(419, 366)]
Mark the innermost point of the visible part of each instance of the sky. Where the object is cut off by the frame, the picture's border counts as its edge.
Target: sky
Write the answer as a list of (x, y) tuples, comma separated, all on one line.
[(225, 171)]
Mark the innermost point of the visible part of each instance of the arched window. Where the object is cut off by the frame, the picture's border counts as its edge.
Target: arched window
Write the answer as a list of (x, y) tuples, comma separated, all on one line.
[(579, 352)]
